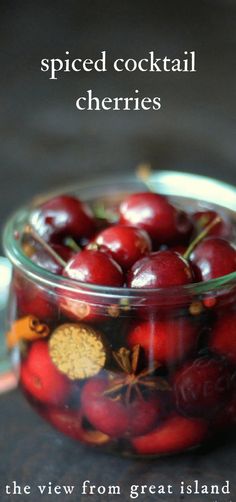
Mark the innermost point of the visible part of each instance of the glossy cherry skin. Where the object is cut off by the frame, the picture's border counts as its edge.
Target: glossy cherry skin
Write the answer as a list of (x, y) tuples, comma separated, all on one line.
[(160, 270), (214, 257), (113, 416), (166, 341), (63, 216), (172, 436), (203, 218), (41, 379), (43, 259), (154, 213), (94, 267), (223, 337), (126, 244), (202, 387)]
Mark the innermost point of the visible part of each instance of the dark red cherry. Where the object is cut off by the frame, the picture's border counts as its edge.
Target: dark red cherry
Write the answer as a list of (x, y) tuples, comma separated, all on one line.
[(115, 417), (166, 341), (94, 267), (180, 249), (63, 216), (202, 387), (154, 213), (126, 244), (144, 414), (45, 260), (105, 414), (37, 302), (203, 218), (173, 435), (214, 257), (70, 422), (160, 270), (32, 299), (223, 337)]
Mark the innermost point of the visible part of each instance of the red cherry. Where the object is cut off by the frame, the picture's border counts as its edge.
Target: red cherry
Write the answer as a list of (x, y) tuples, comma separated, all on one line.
[(154, 213), (40, 378), (70, 423), (166, 341), (63, 216), (160, 270), (67, 421), (174, 435), (43, 259), (214, 258), (143, 415), (38, 303), (126, 244), (113, 416), (94, 267), (203, 218), (223, 337), (201, 387), (180, 249), (107, 415), (31, 299)]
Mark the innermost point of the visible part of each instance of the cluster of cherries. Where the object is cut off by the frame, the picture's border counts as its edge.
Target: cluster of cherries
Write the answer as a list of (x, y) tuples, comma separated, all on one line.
[(169, 375)]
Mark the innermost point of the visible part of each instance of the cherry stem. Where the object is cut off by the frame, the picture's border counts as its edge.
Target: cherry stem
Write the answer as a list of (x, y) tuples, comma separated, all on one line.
[(201, 236), (29, 230), (70, 243), (102, 213)]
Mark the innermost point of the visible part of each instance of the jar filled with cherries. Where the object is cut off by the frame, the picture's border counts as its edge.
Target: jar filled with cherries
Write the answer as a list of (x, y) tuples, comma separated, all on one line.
[(122, 311)]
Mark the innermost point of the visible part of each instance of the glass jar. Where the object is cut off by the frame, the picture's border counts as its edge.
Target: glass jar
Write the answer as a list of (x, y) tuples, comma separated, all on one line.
[(138, 371)]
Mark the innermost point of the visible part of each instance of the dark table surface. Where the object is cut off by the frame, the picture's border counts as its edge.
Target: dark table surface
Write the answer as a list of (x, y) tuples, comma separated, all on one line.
[(45, 141), (34, 454)]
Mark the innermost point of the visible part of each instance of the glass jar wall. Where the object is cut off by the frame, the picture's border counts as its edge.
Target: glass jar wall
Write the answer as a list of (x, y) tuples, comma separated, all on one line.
[(136, 371)]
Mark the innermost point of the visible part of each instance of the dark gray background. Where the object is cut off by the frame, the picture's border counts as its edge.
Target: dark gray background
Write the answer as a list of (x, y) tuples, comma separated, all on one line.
[(45, 141)]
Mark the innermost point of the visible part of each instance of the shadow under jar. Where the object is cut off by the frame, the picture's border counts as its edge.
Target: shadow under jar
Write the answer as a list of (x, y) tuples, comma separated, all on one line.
[(136, 371)]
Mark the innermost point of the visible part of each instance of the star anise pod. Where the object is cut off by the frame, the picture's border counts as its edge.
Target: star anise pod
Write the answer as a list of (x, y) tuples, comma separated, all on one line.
[(132, 380)]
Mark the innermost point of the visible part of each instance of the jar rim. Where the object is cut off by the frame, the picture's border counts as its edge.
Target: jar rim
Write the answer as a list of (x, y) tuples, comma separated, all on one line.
[(168, 182)]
